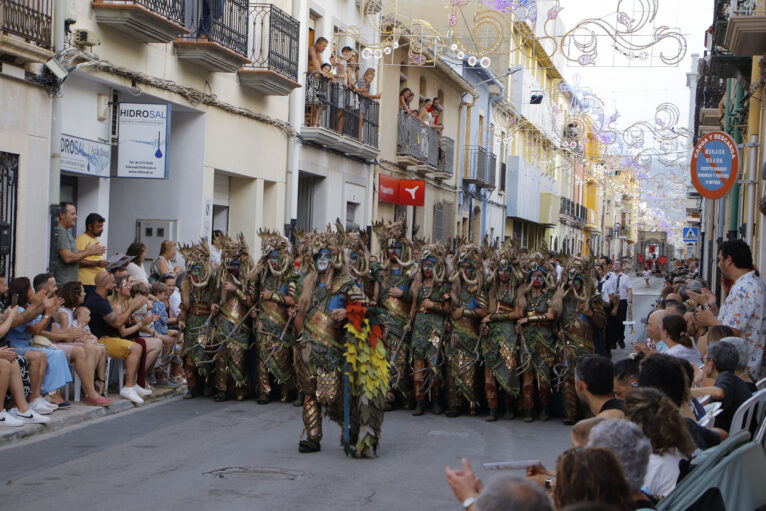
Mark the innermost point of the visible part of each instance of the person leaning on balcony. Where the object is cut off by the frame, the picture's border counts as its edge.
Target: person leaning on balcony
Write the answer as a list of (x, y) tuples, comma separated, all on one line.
[(405, 96), (424, 115), (68, 257), (313, 82), (363, 87)]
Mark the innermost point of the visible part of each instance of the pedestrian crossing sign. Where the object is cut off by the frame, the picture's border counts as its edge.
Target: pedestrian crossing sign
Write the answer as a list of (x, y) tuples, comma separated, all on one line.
[(691, 234)]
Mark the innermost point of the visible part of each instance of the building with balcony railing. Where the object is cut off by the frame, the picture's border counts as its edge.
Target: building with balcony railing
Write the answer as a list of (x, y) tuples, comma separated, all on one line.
[(532, 202)]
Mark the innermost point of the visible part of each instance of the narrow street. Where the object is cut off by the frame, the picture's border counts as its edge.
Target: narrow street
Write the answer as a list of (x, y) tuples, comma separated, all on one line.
[(198, 454)]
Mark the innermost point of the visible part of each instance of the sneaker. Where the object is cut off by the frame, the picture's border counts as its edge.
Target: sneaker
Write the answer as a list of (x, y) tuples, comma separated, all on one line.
[(141, 391), (129, 393), (6, 419), (41, 406), (31, 417), (98, 401)]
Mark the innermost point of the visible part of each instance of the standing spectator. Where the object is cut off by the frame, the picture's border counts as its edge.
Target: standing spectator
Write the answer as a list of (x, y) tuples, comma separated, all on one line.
[(91, 265), (137, 251), (423, 114), (732, 391), (405, 96), (621, 298), (104, 324), (435, 109), (313, 80), (364, 87), (68, 256), (744, 309), (555, 264), (662, 423), (161, 265), (594, 384)]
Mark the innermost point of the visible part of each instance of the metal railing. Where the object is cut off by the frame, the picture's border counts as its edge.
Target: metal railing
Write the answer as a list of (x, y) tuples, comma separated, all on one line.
[(747, 8), (417, 140), (30, 19), (9, 179), (273, 40), (220, 21), (446, 155), (171, 9), (491, 170), (333, 106)]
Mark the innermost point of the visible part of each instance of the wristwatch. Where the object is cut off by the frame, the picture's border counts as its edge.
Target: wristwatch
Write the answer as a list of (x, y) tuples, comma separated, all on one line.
[(548, 483), (470, 501)]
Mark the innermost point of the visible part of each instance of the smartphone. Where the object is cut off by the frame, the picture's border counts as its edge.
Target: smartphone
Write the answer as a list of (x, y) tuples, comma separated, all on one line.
[(14, 299)]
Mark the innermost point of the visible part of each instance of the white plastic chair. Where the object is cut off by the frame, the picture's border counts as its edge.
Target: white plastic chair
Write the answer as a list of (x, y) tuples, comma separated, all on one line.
[(761, 384), (750, 414), (712, 407), (709, 418), (760, 436), (76, 384), (120, 365)]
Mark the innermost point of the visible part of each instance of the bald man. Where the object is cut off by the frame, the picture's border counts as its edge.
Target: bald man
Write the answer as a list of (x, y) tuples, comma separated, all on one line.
[(654, 334), (105, 323)]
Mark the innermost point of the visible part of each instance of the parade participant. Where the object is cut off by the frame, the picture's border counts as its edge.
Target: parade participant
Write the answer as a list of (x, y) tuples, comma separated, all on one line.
[(328, 298), (500, 346), (538, 342), (232, 327), (272, 278), (355, 245), (430, 296), (392, 293), (582, 312), (198, 296), (469, 306)]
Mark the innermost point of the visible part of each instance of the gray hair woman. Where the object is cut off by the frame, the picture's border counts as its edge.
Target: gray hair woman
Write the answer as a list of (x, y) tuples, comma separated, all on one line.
[(743, 350)]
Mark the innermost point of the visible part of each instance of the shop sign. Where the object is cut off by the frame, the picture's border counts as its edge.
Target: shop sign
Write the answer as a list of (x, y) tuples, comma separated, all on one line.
[(83, 156), (142, 146), (412, 192), (388, 189)]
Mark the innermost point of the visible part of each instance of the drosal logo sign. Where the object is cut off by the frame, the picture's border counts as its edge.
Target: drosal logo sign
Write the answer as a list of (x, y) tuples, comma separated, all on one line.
[(412, 192), (388, 189)]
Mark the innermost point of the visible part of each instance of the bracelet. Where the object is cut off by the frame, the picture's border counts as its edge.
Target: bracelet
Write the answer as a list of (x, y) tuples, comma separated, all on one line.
[(470, 501)]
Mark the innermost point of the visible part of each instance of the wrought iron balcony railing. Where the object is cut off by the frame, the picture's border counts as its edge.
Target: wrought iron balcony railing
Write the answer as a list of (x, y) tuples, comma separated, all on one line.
[(416, 140), (30, 19), (333, 106), (224, 22), (273, 42)]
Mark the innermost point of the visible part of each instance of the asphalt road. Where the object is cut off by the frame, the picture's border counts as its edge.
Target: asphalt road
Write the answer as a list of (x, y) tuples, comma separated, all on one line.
[(198, 454)]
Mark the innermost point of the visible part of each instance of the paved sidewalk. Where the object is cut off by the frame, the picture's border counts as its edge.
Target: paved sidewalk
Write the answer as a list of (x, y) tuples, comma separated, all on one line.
[(80, 412)]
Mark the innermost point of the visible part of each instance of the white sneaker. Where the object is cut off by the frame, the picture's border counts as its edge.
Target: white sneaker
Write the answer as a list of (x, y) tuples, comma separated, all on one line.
[(129, 393), (141, 391), (47, 404), (6, 419), (38, 405), (31, 417)]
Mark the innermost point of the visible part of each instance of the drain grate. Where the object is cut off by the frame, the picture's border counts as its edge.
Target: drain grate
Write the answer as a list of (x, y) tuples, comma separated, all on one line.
[(258, 473)]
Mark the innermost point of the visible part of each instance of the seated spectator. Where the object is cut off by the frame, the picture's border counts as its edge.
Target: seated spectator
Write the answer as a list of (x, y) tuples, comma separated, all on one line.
[(171, 349), (666, 374), (84, 356), (137, 251), (21, 335), (743, 355), (654, 333), (503, 493), (13, 388), (133, 327), (161, 265), (661, 422), (632, 449), (591, 475), (679, 344), (732, 391), (594, 384), (625, 377), (581, 431), (73, 294), (716, 333), (104, 323)]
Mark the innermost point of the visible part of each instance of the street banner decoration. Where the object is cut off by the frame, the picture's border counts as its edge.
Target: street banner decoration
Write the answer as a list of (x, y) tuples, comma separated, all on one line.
[(714, 166), (662, 260), (388, 189), (403, 192), (83, 156), (640, 258), (142, 148)]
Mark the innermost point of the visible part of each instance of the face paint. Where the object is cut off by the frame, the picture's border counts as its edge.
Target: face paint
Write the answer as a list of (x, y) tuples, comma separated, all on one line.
[(395, 251), (503, 271), (428, 267), (234, 268), (577, 283), (195, 273), (467, 268), (323, 260), (274, 260), (537, 279)]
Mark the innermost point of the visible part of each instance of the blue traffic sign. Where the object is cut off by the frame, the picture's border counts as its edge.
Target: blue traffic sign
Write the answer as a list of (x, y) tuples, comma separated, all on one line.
[(691, 234)]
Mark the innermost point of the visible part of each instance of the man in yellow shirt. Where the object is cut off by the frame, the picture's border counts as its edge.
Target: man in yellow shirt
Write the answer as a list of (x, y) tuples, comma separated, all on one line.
[(95, 264)]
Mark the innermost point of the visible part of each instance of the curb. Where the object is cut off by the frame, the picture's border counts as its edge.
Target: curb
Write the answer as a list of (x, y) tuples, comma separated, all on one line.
[(80, 412)]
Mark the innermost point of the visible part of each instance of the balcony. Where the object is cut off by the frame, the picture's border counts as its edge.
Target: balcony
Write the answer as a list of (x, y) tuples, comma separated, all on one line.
[(591, 222), (482, 167), (273, 51), (530, 194), (217, 39), (149, 21), (746, 31), (421, 148), (340, 119), (25, 30)]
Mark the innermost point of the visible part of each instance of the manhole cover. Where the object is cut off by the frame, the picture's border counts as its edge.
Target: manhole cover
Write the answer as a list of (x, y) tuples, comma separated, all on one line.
[(259, 473)]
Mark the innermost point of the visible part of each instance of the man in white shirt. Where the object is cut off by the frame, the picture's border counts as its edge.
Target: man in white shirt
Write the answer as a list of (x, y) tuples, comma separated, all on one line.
[(620, 299)]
